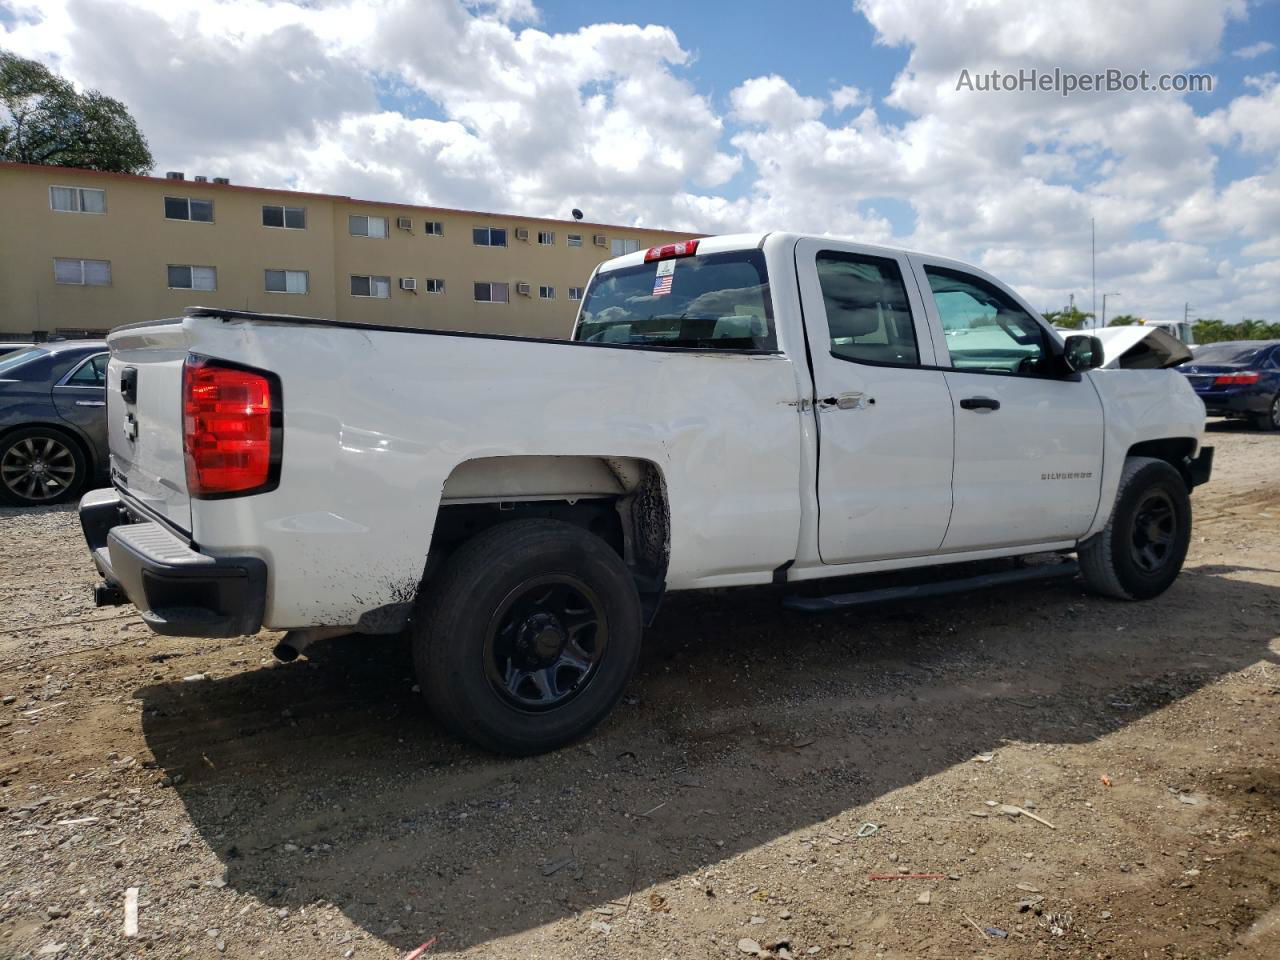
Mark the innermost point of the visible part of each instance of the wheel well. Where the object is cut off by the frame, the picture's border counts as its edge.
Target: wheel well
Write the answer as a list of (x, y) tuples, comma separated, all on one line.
[(86, 451), (1176, 451), (623, 501)]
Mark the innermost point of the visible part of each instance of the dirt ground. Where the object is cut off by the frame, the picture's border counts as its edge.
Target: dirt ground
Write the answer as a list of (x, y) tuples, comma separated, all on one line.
[(314, 810)]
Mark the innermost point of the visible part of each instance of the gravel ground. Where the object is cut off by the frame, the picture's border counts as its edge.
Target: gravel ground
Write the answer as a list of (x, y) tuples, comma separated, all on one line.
[(314, 810)]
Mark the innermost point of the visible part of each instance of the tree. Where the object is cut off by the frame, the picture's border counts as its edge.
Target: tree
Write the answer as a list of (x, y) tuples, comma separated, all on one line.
[(1124, 320), (1072, 318), (1212, 330), (45, 120)]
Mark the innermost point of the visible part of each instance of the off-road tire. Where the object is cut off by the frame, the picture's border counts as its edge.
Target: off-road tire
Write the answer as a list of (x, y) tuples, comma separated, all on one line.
[(1111, 561), (67, 463), (453, 624), (1270, 420)]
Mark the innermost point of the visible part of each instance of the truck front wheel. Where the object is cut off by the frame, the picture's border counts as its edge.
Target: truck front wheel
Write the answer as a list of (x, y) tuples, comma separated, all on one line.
[(527, 637), (1140, 552)]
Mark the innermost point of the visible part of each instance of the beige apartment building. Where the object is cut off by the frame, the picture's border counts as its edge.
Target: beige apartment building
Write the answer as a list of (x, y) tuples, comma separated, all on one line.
[(87, 251)]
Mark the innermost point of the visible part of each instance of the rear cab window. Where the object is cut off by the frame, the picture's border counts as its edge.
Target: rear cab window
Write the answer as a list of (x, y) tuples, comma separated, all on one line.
[(714, 301)]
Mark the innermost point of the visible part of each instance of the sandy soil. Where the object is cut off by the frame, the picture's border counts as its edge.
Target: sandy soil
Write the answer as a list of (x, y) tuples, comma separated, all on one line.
[(313, 809)]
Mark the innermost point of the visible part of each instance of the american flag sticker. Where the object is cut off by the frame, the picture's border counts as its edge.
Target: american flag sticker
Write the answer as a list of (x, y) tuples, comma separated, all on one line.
[(663, 278)]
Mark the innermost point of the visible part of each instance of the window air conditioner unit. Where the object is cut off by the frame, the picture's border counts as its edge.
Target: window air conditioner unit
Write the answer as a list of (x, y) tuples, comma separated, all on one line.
[(405, 223), (522, 288), (600, 240), (522, 233), (409, 283)]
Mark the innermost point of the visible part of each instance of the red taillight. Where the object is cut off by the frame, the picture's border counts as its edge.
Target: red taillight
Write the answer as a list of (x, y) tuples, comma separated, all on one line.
[(228, 435), (1236, 379), (686, 248)]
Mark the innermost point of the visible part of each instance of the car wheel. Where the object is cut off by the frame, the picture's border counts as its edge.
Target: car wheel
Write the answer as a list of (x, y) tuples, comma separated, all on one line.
[(526, 638), (40, 466), (1140, 551), (1271, 419)]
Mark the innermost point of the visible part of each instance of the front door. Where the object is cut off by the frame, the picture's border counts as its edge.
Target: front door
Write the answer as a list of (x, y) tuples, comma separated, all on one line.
[(1028, 434), (884, 416)]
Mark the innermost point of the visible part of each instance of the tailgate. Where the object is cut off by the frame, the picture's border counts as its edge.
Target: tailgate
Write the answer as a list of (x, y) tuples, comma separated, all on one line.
[(144, 418)]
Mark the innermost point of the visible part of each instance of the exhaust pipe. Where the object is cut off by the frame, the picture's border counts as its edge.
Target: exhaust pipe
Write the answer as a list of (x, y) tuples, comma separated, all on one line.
[(294, 643)]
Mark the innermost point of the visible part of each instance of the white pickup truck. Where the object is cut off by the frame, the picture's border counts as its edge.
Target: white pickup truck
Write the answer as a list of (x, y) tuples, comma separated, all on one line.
[(730, 411)]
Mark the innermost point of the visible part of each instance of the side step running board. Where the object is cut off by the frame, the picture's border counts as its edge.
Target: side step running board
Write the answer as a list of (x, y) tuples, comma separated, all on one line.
[(841, 601)]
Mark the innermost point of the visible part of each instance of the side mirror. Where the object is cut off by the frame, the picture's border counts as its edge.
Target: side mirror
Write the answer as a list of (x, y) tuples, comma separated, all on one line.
[(1082, 352)]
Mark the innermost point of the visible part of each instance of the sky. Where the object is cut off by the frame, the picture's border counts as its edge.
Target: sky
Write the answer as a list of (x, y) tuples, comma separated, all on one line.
[(839, 117)]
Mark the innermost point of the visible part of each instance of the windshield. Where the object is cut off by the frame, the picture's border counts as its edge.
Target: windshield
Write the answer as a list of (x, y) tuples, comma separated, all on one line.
[(11, 361), (718, 301), (1226, 353)]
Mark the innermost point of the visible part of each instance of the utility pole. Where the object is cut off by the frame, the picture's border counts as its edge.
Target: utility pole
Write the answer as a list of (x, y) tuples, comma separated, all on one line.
[(1093, 266), (1104, 307)]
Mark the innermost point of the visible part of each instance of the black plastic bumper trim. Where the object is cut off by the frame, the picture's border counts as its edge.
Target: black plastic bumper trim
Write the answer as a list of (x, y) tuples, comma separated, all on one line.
[(1200, 467), (179, 591)]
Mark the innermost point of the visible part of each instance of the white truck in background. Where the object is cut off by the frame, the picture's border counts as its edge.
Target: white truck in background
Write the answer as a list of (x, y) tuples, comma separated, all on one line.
[(731, 411)]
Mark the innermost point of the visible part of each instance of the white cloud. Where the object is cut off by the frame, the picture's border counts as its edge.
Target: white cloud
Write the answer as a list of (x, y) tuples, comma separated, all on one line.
[(771, 101), (1254, 50)]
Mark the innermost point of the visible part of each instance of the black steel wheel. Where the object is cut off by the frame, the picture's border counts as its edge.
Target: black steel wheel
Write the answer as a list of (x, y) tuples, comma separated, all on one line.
[(1139, 553), (39, 466), (545, 641), (527, 636)]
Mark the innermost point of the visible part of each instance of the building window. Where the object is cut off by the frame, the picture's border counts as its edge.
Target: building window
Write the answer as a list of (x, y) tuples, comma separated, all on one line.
[(288, 218), (83, 273), (77, 200), (182, 277), (287, 281), (433, 228), (489, 236), (185, 208), (379, 288), (434, 286), (367, 227), (625, 246), (492, 293), (546, 293), (573, 240), (547, 238), (575, 293)]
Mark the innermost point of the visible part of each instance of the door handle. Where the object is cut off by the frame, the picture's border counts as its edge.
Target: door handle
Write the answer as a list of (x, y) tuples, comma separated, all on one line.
[(91, 403), (979, 403), (847, 401)]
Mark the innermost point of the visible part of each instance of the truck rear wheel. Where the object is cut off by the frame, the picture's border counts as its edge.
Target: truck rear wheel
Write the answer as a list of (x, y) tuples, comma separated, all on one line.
[(527, 637), (1141, 550)]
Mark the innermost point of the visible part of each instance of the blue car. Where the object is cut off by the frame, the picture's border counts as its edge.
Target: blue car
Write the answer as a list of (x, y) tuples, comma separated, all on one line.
[(53, 421), (1240, 379)]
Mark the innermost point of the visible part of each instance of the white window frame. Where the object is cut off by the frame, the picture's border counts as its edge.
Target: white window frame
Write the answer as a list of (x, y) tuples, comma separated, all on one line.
[(433, 285), (546, 292), (575, 293), (81, 261), (546, 238), (433, 228), (491, 284), (621, 246), (386, 231), (305, 274), (192, 268), (371, 278), (506, 236), (79, 195), (573, 240), (284, 209), (188, 218)]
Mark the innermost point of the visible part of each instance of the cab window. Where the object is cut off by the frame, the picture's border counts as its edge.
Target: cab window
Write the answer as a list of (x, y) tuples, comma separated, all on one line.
[(986, 330), (868, 316), (717, 301)]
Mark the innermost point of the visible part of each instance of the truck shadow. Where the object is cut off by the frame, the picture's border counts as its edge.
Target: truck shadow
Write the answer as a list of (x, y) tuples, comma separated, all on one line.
[(326, 780)]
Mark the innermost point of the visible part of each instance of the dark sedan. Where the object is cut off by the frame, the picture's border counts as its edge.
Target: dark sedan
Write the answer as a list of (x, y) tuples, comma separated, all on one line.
[(53, 420), (1238, 378)]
